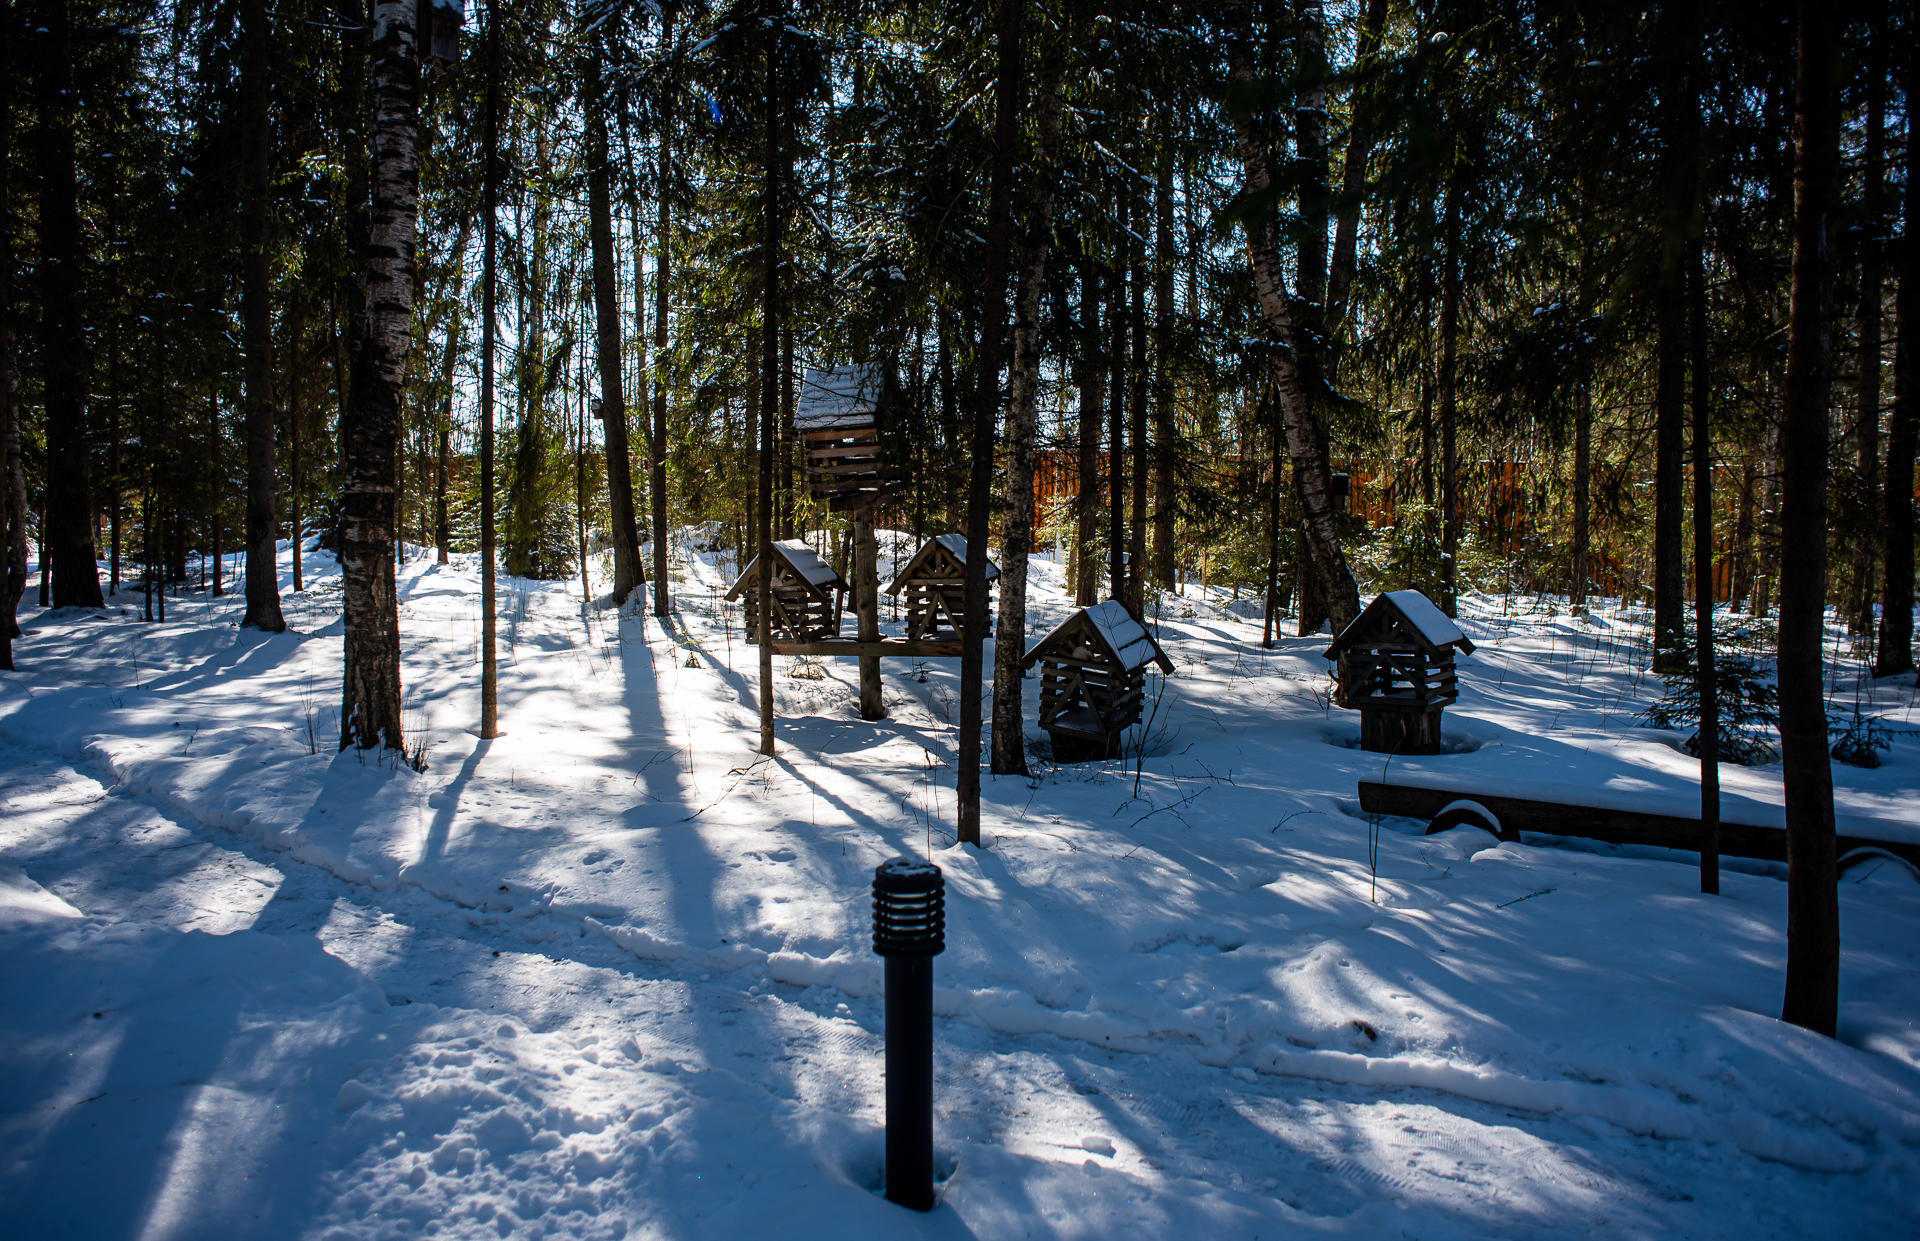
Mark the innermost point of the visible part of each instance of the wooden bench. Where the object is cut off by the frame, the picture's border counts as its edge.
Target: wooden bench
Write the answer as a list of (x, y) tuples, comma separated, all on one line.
[(1443, 808)]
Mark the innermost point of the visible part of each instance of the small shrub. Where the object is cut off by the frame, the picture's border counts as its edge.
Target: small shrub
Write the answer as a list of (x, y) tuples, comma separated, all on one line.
[(1858, 740), (1749, 705)]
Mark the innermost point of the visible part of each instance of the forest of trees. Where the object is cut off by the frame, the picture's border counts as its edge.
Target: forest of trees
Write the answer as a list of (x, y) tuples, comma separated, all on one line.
[(1547, 296)]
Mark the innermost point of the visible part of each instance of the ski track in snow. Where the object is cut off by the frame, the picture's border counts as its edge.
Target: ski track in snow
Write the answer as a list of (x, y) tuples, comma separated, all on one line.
[(608, 976)]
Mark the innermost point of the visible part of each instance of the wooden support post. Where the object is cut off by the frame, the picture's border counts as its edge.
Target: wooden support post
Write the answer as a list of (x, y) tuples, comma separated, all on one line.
[(866, 603)]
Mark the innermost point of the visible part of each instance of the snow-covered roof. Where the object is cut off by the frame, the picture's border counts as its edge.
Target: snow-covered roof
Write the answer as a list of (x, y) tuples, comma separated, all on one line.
[(1434, 625), (957, 544), (1124, 636), (843, 396), (1430, 625), (806, 563), (819, 573)]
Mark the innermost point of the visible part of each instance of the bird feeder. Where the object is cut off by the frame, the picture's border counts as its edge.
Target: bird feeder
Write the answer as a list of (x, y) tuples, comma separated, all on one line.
[(1093, 671), (806, 594), (439, 39), (1395, 667), (935, 585), (840, 417)]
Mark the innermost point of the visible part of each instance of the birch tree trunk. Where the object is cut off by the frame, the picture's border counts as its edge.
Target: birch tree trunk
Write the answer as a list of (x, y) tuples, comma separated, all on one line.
[(370, 708), (1008, 746), (1813, 905), (1313, 480), (256, 316)]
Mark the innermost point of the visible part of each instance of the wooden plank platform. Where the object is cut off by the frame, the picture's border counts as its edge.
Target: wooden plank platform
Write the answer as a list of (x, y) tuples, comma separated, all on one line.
[(1620, 827), (885, 646)]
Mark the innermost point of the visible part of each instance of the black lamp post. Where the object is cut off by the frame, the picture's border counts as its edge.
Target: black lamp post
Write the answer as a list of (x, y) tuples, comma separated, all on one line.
[(909, 930)]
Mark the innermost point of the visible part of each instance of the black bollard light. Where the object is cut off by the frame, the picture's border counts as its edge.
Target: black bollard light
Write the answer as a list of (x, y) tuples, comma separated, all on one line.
[(909, 929)]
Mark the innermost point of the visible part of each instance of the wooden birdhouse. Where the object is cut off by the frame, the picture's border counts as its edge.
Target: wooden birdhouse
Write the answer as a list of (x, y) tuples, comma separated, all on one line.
[(806, 595), (935, 585), (840, 417), (1395, 667), (439, 34), (1093, 672)]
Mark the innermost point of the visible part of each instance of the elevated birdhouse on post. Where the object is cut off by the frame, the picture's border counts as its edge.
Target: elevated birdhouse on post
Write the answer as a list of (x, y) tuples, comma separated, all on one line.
[(1093, 672), (1395, 667), (806, 595), (439, 34), (935, 585), (840, 417)]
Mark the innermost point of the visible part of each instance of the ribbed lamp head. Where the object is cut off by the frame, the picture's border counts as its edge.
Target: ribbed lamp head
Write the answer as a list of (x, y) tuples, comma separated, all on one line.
[(909, 909)]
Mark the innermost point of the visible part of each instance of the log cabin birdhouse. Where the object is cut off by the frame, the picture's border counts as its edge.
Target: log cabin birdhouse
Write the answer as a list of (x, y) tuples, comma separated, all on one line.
[(1093, 672), (840, 416), (439, 35), (1395, 667), (806, 595), (935, 585)]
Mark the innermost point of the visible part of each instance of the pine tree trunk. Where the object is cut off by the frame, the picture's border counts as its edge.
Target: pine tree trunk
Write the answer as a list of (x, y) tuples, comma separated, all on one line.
[(216, 492), (1346, 229), (256, 316), (1093, 372), (1009, 93), (296, 421), (1813, 907), (1116, 418), (866, 591), (66, 526), (489, 335), (370, 710), (769, 384), (1141, 463), (1449, 600), (1679, 191), (1008, 744), (1866, 431), (657, 442), (13, 478), (1582, 484), (1705, 670), (1165, 556), (1893, 653), (627, 573)]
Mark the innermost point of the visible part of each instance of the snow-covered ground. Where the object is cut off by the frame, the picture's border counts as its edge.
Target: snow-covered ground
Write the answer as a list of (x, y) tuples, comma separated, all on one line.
[(608, 975)]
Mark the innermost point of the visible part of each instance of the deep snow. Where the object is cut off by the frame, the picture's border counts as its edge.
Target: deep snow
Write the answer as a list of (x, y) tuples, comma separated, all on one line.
[(608, 974)]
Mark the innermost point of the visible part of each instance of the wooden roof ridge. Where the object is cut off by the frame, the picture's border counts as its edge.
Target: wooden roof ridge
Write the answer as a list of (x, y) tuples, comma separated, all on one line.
[(821, 585), (1101, 622), (955, 545), (1430, 629)]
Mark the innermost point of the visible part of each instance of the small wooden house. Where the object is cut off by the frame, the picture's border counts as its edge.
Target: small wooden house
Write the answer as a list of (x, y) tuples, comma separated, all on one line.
[(439, 33), (1093, 672), (935, 584), (1395, 667), (806, 595), (840, 416)]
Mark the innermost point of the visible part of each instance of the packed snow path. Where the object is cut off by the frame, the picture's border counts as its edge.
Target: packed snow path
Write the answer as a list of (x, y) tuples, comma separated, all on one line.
[(607, 975)]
